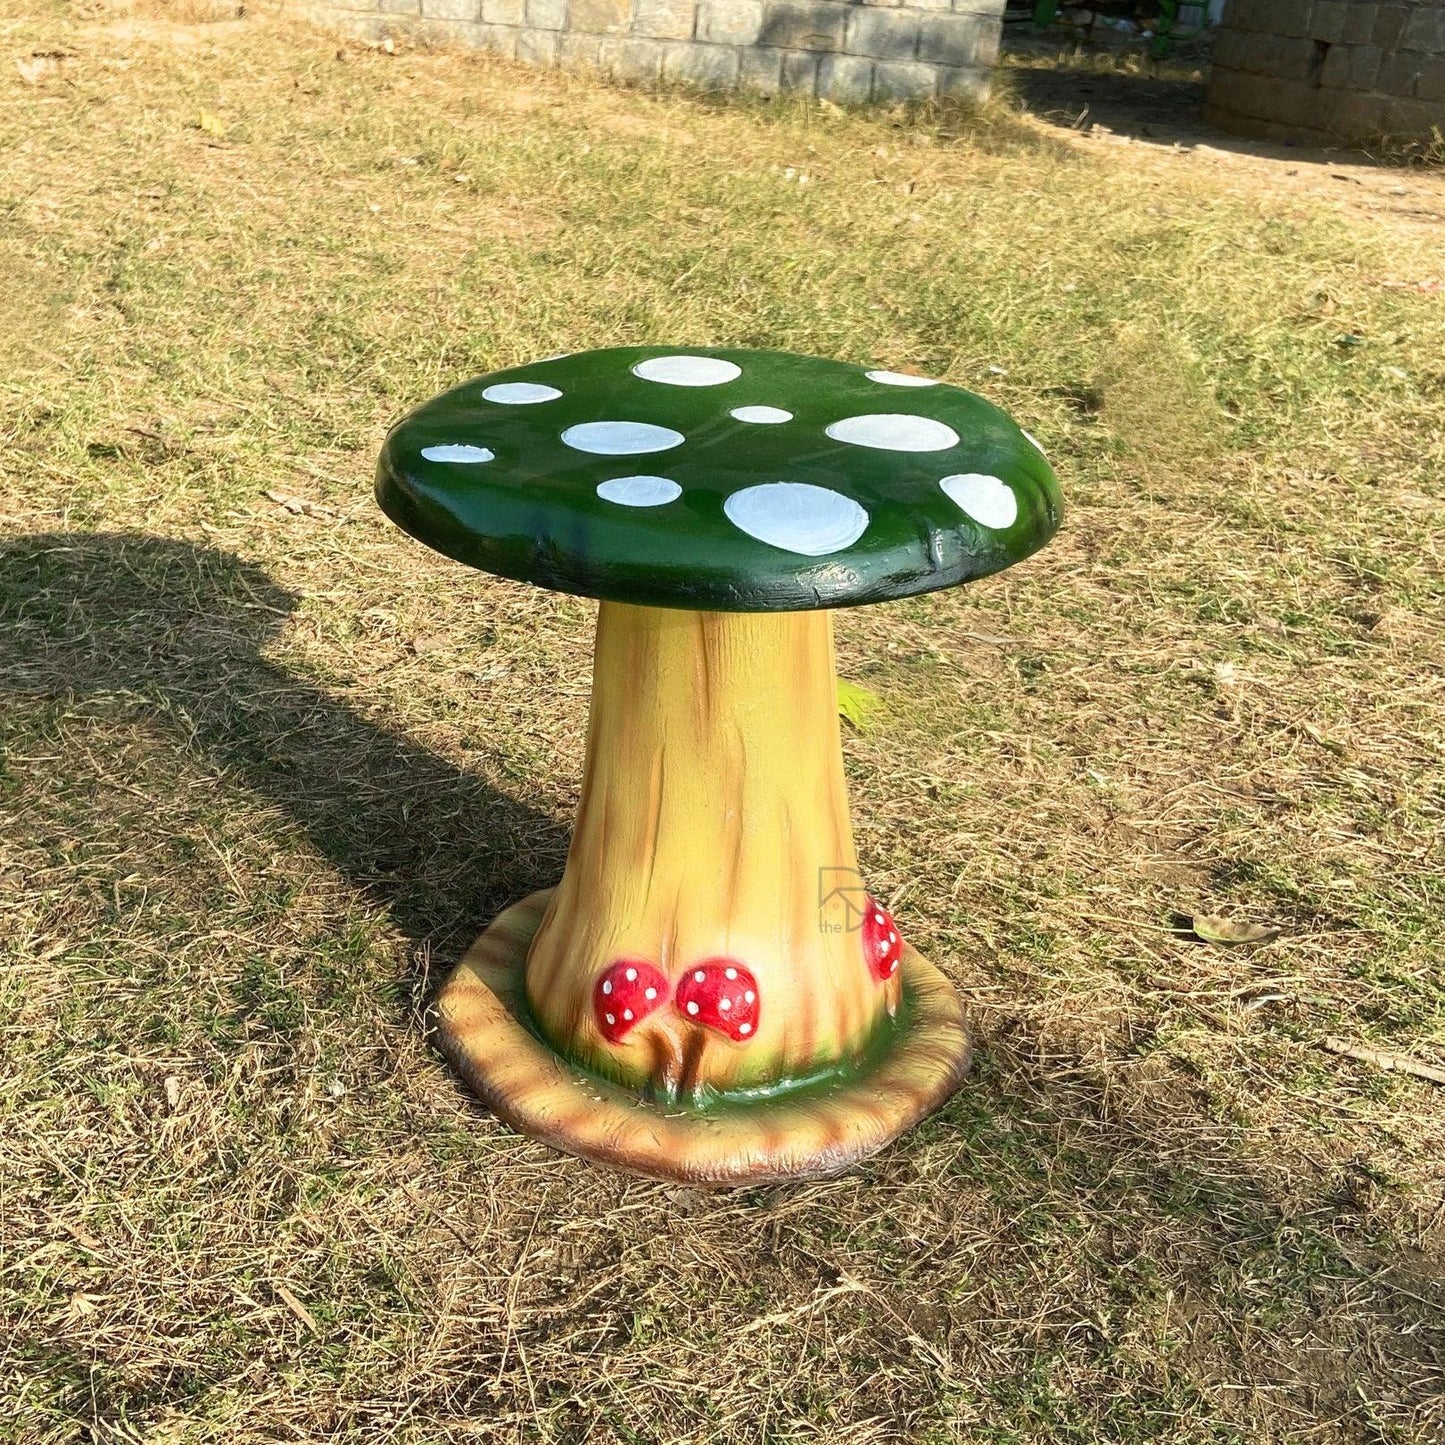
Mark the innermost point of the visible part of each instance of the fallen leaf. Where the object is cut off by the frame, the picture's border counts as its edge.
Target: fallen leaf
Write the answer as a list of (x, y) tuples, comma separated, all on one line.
[(299, 506), (1214, 929), (83, 1237), (210, 123), (857, 704)]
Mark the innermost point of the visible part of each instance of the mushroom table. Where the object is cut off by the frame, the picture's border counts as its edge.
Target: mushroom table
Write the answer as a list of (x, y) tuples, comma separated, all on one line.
[(709, 993)]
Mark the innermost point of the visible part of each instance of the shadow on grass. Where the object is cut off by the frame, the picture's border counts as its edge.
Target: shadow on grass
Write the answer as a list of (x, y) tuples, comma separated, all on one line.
[(176, 631)]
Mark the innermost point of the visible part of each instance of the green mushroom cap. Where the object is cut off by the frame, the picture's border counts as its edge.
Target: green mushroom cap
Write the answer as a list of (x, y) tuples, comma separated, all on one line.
[(719, 480)]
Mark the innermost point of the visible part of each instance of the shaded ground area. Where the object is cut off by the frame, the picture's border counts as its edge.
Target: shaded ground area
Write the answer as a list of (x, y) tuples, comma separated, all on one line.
[(1080, 78), (1101, 88), (1142, 105), (266, 766)]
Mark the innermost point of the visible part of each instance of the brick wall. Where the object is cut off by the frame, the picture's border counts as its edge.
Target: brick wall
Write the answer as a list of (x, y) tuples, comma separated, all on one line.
[(879, 50), (1330, 70)]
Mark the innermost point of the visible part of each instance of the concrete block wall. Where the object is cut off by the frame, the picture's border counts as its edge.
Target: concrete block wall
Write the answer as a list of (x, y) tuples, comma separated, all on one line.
[(847, 51), (1330, 71)]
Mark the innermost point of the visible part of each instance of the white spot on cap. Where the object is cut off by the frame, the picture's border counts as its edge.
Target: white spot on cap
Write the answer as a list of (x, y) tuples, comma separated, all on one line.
[(1034, 442), (688, 370), (458, 453), (899, 378), (627, 1014), (607, 986), (651, 993), (894, 432), (611, 1018), (797, 517), (763, 415), (639, 491), (620, 438), (745, 1028), (731, 972), (725, 1004), (699, 975), (988, 500), (630, 975), (692, 1008), (520, 393), (750, 997)]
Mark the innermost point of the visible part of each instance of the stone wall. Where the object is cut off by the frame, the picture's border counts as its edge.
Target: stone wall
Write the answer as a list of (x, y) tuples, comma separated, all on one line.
[(879, 50), (1328, 71)]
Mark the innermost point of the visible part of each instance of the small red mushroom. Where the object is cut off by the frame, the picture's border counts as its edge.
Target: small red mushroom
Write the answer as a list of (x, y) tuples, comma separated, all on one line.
[(882, 946), (626, 994), (720, 994)]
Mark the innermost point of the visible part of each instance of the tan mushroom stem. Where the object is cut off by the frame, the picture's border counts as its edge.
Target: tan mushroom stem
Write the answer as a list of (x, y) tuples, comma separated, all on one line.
[(713, 824)]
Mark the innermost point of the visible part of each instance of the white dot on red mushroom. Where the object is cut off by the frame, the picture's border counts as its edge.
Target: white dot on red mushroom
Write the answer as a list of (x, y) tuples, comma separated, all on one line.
[(458, 453), (720, 994), (988, 500), (894, 432), (639, 491), (620, 438), (797, 517), (899, 378), (761, 415), (520, 393), (882, 949), (626, 993), (688, 370)]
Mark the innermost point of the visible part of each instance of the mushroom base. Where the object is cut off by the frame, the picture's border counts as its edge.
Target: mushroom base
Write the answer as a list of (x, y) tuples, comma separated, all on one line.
[(812, 1128)]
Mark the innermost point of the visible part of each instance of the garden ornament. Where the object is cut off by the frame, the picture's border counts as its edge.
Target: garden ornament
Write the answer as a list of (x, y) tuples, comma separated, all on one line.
[(710, 994)]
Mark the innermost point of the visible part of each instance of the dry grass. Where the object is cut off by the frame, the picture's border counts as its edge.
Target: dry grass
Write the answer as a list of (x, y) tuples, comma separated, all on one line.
[(265, 772)]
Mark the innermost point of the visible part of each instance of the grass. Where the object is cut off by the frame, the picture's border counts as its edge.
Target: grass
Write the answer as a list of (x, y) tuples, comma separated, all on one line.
[(264, 772)]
